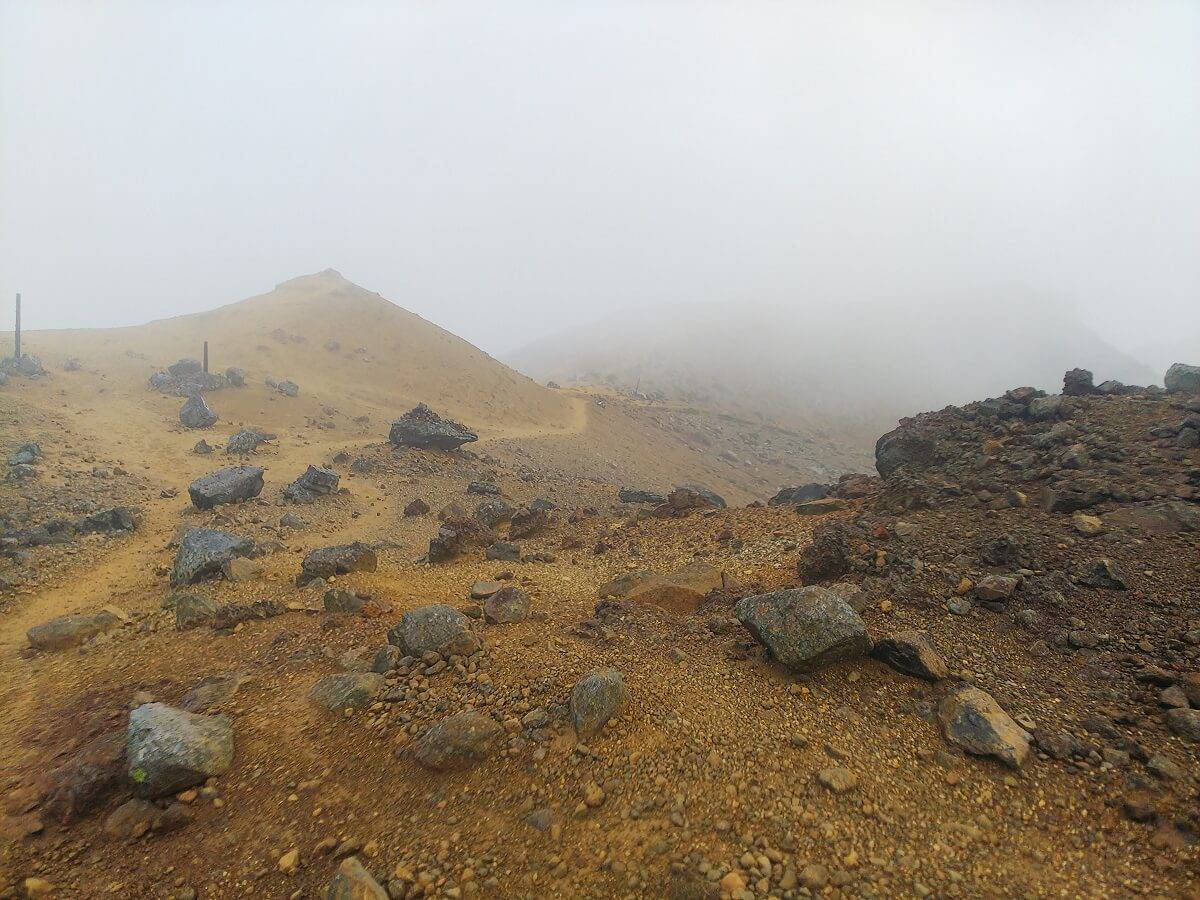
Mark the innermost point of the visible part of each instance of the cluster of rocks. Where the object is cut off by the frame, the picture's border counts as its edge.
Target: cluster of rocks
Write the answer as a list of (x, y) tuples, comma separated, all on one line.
[(25, 365), (187, 378)]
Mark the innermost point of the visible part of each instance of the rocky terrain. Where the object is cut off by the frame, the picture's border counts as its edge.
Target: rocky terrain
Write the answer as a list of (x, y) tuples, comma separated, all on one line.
[(394, 638)]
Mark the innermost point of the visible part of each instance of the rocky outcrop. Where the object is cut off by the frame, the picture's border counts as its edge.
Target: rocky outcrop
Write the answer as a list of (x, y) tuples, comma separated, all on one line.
[(909, 446), (421, 427)]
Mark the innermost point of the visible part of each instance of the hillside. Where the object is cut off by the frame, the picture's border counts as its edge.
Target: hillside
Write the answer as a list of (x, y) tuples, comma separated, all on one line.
[(976, 676), (852, 368)]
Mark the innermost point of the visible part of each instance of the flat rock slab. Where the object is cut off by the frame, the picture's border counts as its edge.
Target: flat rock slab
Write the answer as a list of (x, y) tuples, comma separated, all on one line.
[(458, 742), (71, 631), (805, 628), (235, 485), (170, 750), (973, 720), (203, 551)]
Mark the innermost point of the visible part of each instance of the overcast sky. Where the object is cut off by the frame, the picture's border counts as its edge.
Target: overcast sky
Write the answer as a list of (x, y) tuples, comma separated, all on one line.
[(507, 168)]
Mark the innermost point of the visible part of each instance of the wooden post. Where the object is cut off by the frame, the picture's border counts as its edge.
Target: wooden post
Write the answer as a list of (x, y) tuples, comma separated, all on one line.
[(18, 326), (206, 357)]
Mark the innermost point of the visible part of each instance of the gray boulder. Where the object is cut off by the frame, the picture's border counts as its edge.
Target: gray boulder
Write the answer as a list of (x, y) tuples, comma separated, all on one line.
[(170, 750), (423, 428), (1183, 378), (434, 627), (25, 365), (595, 699), (348, 690), (492, 512), (247, 440), (203, 551), (234, 485), (196, 413), (338, 560), (503, 551), (458, 742), (71, 631), (236, 376), (288, 388), (805, 628), (688, 497), (1078, 383), (972, 720)]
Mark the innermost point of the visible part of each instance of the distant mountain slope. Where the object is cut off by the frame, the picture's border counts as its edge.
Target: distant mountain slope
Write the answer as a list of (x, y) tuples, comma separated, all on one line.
[(338, 341), (848, 366)]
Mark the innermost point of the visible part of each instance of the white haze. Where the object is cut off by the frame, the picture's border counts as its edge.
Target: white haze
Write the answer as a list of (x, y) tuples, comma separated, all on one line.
[(510, 170)]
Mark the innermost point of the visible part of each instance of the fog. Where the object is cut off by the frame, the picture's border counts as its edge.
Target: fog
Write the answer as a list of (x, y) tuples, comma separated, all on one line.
[(510, 170)]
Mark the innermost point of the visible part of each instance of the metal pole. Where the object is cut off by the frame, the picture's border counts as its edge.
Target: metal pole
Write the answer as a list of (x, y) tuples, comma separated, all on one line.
[(206, 357), (18, 326)]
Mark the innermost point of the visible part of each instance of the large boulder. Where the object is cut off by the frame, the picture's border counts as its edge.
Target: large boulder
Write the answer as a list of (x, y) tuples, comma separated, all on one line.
[(26, 365), (458, 742), (1078, 383), (339, 560), (203, 551), (170, 750), (114, 520), (347, 690), (71, 631), (423, 428), (595, 699), (226, 486), (196, 413), (909, 446), (434, 627), (1183, 378), (973, 720), (805, 628), (193, 610), (315, 482)]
